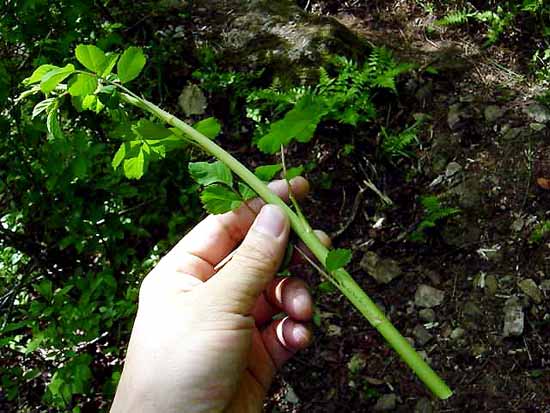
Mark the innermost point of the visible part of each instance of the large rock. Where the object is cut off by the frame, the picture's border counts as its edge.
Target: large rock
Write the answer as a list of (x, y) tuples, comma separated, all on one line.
[(277, 36)]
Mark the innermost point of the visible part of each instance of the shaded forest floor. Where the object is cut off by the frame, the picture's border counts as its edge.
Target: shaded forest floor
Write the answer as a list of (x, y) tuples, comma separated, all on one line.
[(479, 151)]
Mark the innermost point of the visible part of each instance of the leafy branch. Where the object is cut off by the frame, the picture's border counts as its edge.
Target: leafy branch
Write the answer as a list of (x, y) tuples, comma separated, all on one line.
[(101, 89)]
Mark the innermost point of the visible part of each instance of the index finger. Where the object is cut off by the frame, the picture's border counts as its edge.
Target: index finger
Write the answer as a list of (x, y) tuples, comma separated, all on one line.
[(208, 243)]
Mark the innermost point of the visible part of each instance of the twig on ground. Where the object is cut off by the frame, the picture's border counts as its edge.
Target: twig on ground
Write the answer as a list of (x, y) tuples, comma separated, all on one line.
[(356, 204)]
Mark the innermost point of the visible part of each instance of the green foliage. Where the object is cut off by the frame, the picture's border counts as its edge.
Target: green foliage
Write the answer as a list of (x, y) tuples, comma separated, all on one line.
[(345, 97), (396, 145), (434, 212), (499, 19), (267, 172), (338, 258), (540, 232), (75, 237), (130, 64), (219, 195)]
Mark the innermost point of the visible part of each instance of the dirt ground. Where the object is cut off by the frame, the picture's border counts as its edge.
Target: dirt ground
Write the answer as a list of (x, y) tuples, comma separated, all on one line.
[(479, 152)]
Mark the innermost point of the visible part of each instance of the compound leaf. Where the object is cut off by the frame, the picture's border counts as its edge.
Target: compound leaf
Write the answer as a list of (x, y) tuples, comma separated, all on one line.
[(91, 57), (39, 72), (299, 123), (209, 127), (205, 173), (130, 64), (218, 199), (267, 172), (53, 77), (82, 85), (337, 258)]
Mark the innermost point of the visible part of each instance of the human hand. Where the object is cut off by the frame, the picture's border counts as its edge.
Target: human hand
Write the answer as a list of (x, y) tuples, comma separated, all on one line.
[(204, 340)]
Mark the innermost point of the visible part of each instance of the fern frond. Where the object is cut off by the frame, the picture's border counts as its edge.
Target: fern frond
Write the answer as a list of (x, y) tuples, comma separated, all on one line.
[(455, 18)]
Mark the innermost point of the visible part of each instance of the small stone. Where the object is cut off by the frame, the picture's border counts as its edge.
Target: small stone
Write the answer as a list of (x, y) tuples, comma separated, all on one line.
[(478, 349), (491, 284), (457, 333), (453, 117), (428, 297), (383, 270), (291, 396), (545, 285), (452, 169), (423, 405), (531, 290), (421, 335), (386, 403), (192, 101), (492, 113), (514, 318), (427, 315), (518, 224), (539, 113), (334, 330)]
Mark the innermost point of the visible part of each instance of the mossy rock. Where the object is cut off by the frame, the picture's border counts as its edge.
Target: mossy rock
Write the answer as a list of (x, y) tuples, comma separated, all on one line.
[(277, 36)]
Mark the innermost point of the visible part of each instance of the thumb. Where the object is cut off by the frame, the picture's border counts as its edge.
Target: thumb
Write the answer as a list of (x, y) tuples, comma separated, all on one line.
[(237, 286)]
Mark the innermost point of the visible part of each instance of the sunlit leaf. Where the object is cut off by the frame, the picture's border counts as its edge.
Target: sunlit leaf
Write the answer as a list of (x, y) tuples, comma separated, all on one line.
[(218, 199), (130, 64), (299, 123), (134, 168), (52, 78), (206, 173), (209, 127), (267, 172), (42, 106), (82, 85), (38, 74), (91, 57)]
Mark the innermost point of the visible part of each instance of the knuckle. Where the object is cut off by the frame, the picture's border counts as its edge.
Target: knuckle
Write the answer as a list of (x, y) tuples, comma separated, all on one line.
[(258, 257)]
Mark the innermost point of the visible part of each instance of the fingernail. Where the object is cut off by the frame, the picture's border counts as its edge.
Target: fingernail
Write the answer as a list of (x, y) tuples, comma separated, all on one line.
[(270, 221), (301, 335), (301, 303)]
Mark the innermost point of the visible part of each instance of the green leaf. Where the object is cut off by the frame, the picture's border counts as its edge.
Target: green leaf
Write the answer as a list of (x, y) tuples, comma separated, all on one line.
[(92, 102), (130, 64), (294, 172), (150, 130), (42, 106), (119, 156), (110, 61), (45, 289), (51, 79), (52, 122), (218, 199), (82, 85), (337, 258), (299, 123), (209, 127), (38, 74), (246, 192), (134, 168), (91, 57), (205, 173), (326, 287), (267, 172)]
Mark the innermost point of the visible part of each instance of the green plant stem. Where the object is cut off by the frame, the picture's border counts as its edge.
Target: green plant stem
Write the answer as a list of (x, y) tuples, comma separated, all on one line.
[(344, 281)]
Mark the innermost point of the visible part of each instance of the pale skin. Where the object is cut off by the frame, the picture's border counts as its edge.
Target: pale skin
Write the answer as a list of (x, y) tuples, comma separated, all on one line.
[(204, 338)]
